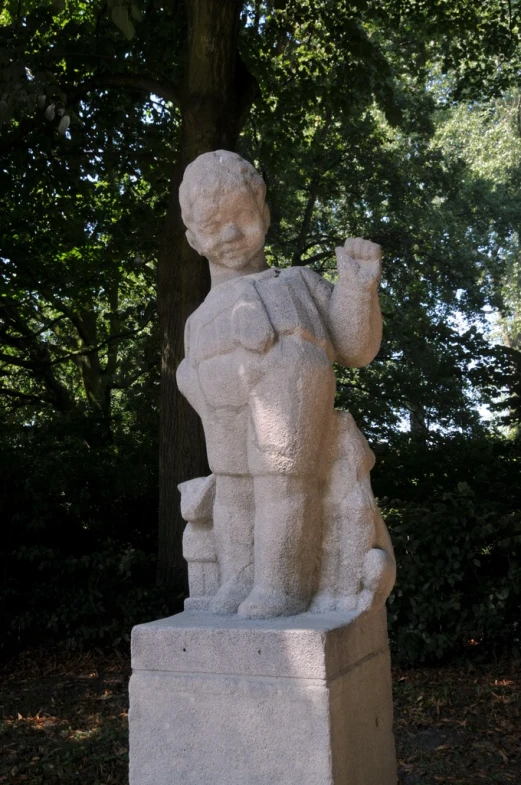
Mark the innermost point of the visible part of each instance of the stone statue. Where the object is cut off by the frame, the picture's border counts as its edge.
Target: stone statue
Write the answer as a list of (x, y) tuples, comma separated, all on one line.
[(285, 525), (286, 522)]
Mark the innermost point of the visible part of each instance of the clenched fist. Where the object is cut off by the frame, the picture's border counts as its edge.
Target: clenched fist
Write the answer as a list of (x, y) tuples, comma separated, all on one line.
[(359, 261)]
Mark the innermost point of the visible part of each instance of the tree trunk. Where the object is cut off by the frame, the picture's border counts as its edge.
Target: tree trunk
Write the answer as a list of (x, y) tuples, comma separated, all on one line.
[(417, 421), (215, 94)]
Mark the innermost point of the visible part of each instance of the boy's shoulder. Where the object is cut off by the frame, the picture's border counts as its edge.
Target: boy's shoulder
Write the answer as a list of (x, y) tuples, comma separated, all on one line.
[(311, 278)]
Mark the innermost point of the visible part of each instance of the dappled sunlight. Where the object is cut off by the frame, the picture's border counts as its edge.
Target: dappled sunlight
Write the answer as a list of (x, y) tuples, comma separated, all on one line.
[(504, 683), (64, 721), (41, 723)]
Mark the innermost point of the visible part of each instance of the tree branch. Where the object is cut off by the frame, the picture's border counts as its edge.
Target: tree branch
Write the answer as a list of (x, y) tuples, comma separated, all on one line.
[(304, 261), (164, 88), (23, 397), (11, 359)]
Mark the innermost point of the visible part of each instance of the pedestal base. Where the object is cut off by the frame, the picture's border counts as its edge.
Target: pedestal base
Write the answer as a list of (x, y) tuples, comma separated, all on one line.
[(304, 700)]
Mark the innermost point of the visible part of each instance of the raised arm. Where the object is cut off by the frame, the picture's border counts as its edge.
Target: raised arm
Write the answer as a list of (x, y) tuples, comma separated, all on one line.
[(354, 316)]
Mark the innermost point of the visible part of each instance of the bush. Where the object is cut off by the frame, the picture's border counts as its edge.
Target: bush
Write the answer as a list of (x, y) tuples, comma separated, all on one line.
[(80, 537), (458, 551), (79, 551), (80, 601)]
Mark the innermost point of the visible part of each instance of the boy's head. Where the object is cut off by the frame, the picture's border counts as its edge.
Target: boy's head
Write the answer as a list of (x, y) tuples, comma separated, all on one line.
[(223, 207)]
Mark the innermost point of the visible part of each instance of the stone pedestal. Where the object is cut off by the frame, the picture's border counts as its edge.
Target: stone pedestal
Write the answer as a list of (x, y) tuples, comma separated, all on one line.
[(303, 700)]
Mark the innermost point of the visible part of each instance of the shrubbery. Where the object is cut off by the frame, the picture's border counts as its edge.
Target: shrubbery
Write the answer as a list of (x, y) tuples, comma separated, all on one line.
[(459, 577), (458, 549), (79, 536), (80, 532)]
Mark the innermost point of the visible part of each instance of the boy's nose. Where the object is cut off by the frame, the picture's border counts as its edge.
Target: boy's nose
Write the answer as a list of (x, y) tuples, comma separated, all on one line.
[(230, 232)]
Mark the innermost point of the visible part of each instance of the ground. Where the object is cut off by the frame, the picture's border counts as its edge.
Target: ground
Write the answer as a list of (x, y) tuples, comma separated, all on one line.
[(64, 720), (459, 725)]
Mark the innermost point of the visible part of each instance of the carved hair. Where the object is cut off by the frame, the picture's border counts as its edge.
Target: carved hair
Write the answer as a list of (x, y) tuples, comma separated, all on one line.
[(213, 174)]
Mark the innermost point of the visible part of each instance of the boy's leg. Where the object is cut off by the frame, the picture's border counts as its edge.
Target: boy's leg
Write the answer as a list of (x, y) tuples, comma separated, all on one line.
[(291, 415), (287, 546)]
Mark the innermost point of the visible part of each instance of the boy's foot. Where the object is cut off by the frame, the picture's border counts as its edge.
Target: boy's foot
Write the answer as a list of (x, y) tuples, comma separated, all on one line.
[(230, 596), (264, 604)]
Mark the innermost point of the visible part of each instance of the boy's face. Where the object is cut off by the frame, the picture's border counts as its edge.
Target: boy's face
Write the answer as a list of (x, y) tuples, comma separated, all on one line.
[(230, 231)]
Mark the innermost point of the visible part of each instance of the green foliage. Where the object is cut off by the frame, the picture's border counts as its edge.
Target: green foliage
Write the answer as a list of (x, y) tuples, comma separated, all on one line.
[(123, 13), (387, 162), (79, 549), (455, 521)]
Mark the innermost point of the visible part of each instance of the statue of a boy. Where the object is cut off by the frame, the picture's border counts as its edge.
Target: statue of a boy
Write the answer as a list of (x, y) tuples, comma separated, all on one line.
[(258, 370)]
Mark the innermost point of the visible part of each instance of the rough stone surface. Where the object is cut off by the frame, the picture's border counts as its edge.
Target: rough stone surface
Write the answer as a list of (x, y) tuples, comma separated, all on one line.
[(303, 700), (287, 521), (278, 671), (197, 500), (321, 646)]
